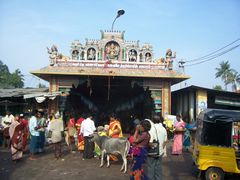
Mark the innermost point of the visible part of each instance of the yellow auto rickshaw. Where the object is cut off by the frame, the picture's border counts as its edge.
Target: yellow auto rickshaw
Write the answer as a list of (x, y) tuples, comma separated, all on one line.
[(217, 144)]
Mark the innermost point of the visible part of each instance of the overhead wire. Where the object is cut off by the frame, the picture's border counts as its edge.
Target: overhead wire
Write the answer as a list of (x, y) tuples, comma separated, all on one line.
[(212, 53), (215, 56)]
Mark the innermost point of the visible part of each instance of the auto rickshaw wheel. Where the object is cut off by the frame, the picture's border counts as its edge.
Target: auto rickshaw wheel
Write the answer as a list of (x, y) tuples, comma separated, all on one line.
[(214, 174)]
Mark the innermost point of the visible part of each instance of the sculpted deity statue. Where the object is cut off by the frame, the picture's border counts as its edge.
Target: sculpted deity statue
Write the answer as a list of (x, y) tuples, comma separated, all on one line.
[(148, 57), (112, 51), (169, 59), (75, 55), (91, 54), (132, 55), (53, 54), (75, 49)]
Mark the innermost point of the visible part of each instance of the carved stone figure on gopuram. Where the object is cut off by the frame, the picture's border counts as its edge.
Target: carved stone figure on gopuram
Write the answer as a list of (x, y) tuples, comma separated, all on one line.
[(111, 48), (169, 59), (132, 55), (112, 51), (91, 54), (75, 49), (53, 53)]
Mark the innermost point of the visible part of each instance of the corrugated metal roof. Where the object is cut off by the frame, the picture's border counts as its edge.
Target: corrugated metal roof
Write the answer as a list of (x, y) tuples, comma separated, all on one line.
[(193, 87), (19, 92)]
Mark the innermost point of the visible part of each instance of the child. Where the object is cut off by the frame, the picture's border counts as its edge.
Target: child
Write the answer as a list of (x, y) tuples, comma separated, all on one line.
[(131, 140)]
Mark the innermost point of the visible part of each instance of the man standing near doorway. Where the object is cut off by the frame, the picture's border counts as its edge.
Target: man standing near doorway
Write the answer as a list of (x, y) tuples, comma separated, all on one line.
[(87, 129)]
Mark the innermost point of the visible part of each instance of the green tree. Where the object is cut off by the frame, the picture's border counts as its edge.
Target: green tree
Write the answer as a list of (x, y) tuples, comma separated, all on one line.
[(3, 68), (234, 79), (224, 72), (228, 75), (10, 80), (4, 72), (218, 87), (16, 79)]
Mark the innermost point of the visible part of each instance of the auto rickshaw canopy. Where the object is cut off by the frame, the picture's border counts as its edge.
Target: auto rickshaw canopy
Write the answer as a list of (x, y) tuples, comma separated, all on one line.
[(214, 127), (215, 115)]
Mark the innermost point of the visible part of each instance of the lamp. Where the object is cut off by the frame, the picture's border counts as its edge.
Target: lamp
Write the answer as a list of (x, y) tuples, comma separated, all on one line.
[(119, 13)]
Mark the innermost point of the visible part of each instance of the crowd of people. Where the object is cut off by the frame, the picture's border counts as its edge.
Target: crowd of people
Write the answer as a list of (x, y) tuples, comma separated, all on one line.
[(19, 133)]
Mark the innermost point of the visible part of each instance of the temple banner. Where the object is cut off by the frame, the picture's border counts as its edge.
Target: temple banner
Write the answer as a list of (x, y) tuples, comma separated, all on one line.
[(201, 101), (112, 65)]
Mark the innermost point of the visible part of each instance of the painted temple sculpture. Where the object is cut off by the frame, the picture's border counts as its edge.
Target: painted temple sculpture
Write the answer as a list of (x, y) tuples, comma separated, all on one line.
[(112, 48), (110, 69)]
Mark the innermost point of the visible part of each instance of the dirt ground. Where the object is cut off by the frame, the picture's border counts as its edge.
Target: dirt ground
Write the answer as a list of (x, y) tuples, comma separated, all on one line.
[(72, 167)]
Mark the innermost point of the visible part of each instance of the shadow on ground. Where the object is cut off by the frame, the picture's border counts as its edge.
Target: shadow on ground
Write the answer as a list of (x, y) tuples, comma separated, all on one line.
[(72, 167)]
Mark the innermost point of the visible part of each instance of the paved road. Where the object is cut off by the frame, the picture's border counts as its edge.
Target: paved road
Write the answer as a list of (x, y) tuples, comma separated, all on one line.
[(73, 167)]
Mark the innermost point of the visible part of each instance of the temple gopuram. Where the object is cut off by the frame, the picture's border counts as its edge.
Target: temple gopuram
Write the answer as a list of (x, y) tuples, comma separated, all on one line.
[(111, 74)]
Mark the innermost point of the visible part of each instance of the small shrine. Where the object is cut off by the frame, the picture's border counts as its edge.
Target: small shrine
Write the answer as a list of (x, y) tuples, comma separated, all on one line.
[(111, 74)]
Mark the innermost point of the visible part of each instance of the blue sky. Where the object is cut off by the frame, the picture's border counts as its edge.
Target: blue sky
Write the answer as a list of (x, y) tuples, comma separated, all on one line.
[(192, 28)]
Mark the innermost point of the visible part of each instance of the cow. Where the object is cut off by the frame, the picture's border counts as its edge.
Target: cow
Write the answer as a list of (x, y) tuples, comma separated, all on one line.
[(112, 146)]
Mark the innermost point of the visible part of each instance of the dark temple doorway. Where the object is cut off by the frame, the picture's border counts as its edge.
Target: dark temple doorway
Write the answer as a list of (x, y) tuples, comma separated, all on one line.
[(101, 96)]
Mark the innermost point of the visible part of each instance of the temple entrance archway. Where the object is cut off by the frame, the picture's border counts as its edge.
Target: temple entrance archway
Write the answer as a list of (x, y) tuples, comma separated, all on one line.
[(102, 96)]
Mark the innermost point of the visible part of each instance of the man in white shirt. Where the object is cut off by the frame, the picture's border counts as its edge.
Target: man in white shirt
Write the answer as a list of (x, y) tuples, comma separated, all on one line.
[(6, 122), (87, 129), (34, 136), (157, 132)]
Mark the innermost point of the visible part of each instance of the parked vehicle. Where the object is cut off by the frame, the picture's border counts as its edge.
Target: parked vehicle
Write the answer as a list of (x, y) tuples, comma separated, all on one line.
[(217, 144)]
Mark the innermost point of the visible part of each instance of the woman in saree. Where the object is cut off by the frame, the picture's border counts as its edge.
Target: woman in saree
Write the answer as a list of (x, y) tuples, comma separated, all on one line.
[(114, 131), (187, 137), (141, 139), (16, 135), (70, 133), (24, 123), (179, 129), (80, 143)]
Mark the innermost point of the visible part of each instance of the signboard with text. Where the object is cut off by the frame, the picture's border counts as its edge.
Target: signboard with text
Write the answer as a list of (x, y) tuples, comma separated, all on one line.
[(110, 65)]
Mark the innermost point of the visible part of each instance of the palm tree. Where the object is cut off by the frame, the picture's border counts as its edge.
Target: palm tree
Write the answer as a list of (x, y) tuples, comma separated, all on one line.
[(234, 79), (224, 72)]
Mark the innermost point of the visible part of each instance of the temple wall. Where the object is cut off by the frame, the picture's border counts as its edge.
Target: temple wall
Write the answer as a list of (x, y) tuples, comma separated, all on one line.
[(161, 94), (67, 82), (53, 87), (166, 98)]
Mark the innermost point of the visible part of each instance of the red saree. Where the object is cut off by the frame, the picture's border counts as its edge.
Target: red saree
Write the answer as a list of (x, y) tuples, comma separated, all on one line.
[(16, 135)]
